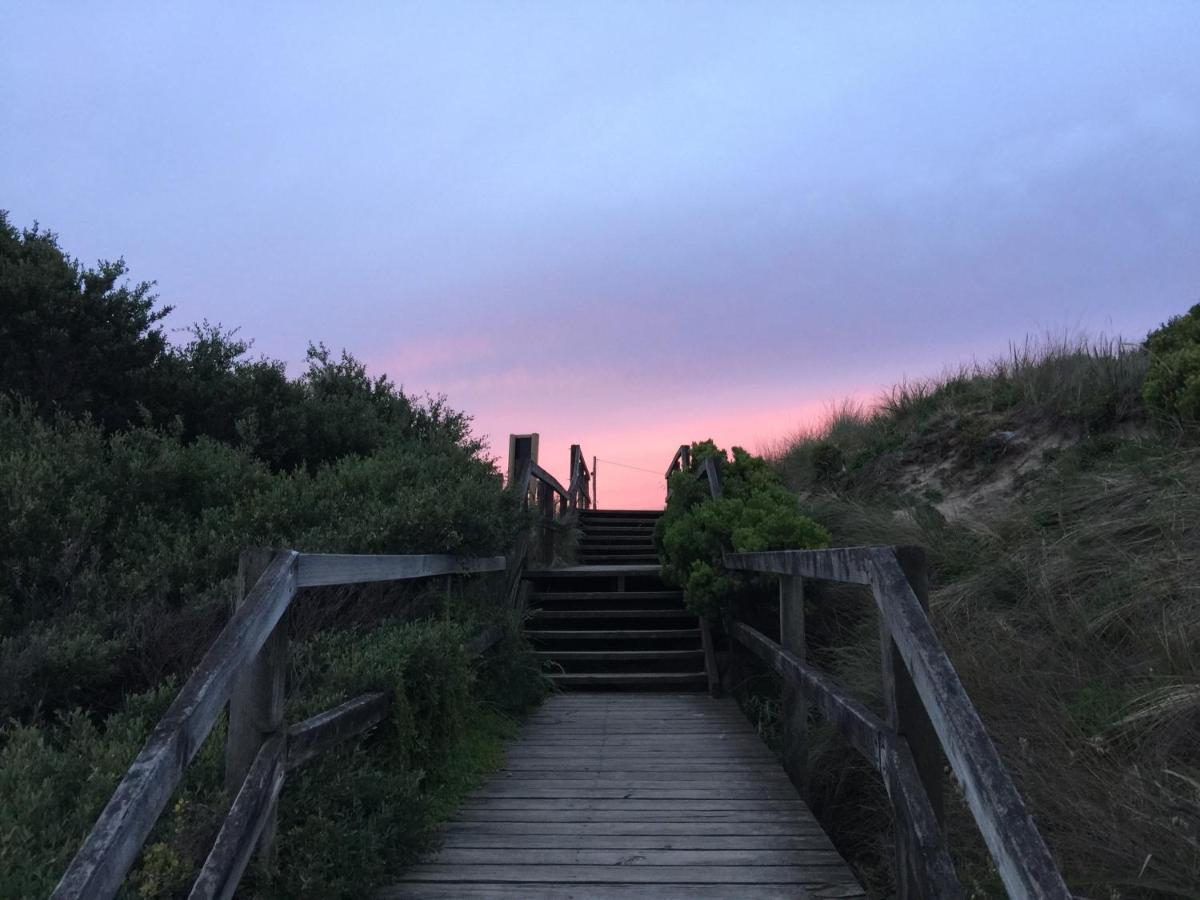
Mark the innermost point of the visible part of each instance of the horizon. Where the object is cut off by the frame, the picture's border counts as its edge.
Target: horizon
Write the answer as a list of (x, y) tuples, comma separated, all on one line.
[(627, 231)]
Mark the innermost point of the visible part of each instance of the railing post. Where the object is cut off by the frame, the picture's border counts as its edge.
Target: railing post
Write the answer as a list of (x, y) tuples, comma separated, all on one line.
[(906, 715), (256, 703), (794, 714), (546, 505)]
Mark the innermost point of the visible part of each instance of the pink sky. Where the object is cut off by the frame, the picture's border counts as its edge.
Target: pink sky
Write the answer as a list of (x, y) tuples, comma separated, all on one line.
[(626, 225)]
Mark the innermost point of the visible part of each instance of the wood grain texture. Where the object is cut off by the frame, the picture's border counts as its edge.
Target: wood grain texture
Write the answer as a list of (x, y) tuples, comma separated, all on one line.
[(348, 568), (601, 796), (1022, 858), (241, 831), (115, 840), (314, 736)]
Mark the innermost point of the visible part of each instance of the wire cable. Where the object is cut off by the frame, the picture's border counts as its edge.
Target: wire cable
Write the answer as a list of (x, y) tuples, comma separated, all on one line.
[(627, 466)]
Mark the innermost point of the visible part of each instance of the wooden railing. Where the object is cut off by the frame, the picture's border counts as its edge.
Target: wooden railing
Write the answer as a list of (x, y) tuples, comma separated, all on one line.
[(245, 666), (542, 491), (929, 717)]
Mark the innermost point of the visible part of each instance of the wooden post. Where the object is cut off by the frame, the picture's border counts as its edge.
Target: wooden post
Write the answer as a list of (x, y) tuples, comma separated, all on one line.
[(546, 505), (906, 714), (256, 703), (794, 712)]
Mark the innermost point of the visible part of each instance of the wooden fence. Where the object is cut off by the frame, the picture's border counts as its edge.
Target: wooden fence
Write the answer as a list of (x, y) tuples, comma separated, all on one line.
[(245, 666), (929, 717)]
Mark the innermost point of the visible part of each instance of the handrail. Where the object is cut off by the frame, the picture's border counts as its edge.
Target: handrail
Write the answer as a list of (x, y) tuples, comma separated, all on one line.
[(244, 666), (929, 713)]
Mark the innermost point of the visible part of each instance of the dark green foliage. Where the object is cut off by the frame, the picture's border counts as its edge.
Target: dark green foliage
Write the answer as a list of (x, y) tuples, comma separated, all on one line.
[(1172, 387), (116, 551), (348, 819), (71, 339), (755, 512)]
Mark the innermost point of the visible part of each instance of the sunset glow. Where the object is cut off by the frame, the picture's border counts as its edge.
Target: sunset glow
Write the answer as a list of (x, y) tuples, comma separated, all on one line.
[(624, 226)]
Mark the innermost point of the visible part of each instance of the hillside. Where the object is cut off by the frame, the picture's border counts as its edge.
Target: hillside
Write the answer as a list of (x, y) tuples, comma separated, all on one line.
[(1058, 495), (134, 472)]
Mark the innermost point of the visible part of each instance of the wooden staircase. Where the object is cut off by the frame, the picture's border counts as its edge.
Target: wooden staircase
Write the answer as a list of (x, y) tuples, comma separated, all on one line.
[(610, 622)]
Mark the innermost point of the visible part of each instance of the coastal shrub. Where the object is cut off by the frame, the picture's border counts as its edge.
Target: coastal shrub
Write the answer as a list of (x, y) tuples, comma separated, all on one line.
[(755, 512), (1172, 387), (347, 819)]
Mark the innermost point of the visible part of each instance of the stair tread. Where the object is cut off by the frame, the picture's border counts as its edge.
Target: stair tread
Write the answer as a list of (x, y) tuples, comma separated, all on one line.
[(615, 633), (603, 595), (613, 614), (618, 655)]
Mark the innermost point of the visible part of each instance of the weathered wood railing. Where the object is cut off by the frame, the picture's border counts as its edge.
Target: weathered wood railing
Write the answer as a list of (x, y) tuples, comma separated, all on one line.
[(245, 666), (542, 491), (929, 717)]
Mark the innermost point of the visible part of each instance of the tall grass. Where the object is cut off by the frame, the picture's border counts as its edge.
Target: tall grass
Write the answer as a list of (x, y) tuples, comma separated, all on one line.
[(1069, 609)]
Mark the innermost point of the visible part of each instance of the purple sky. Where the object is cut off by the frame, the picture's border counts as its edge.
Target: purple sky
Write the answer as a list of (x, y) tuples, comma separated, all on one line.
[(627, 225)]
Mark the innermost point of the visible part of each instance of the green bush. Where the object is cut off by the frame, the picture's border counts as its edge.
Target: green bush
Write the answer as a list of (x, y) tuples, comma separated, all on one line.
[(755, 512), (348, 819), (1172, 386)]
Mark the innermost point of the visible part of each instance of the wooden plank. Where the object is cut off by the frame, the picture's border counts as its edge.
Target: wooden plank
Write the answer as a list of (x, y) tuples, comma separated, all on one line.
[(635, 856), (775, 804), (741, 817), (710, 659), (242, 829), (314, 736), (256, 700), (616, 891), (115, 840), (641, 827), (348, 568), (845, 564), (1021, 857), (546, 478), (743, 875), (907, 718), (812, 841), (616, 634), (794, 710)]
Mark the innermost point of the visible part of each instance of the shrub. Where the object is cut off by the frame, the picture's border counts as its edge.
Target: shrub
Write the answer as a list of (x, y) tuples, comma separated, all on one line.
[(1172, 387), (755, 512)]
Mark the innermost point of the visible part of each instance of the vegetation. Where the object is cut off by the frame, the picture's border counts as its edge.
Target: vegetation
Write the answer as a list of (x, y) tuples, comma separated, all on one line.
[(1058, 506), (135, 471), (755, 512), (1173, 383)]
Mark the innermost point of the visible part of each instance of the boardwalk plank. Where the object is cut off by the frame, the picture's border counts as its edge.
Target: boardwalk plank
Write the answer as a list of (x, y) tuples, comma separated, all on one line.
[(620, 796)]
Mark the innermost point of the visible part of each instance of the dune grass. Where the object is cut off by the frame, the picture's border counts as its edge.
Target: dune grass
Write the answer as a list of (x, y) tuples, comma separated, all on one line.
[(1068, 604)]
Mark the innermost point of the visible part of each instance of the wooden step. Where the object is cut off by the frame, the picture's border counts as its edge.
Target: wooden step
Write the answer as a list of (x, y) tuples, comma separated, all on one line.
[(613, 614), (605, 595), (616, 634), (618, 655), (630, 679)]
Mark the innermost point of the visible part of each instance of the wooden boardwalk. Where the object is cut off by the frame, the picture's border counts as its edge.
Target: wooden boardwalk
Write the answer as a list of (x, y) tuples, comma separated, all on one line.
[(622, 795)]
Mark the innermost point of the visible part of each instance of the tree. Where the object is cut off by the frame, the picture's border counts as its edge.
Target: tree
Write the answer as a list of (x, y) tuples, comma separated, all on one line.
[(73, 340)]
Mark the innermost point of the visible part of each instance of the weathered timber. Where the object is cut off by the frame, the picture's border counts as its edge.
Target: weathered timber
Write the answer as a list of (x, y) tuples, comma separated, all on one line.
[(846, 564), (906, 716), (252, 809), (314, 736), (115, 840), (710, 659), (626, 823), (256, 701), (709, 471), (332, 568), (794, 711), (890, 756), (1023, 861), (547, 479), (861, 727)]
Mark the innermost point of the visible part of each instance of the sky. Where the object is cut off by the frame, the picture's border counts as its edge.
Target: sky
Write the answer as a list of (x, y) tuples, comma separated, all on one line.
[(623, 225)]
